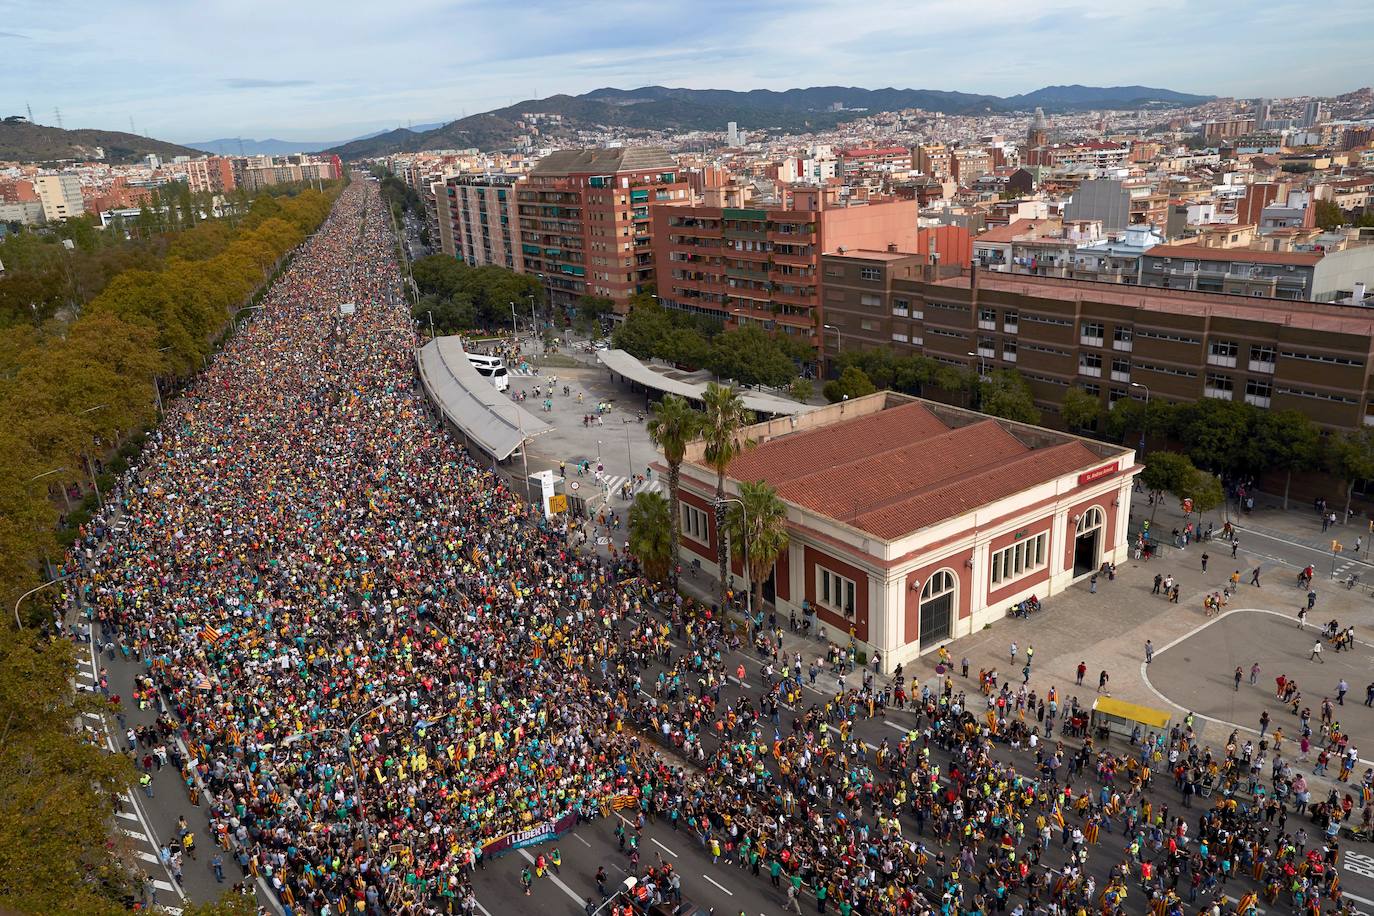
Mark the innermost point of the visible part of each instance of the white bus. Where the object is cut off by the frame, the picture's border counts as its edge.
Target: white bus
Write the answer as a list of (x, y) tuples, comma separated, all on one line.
[(491, 367)]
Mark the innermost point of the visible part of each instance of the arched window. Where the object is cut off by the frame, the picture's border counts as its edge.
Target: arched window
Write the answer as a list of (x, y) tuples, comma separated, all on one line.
[(941, 583), (1090, 520), (937, 607)]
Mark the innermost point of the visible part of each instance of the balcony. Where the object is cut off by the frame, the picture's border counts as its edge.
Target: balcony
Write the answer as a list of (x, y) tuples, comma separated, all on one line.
[(1221, 394), (745, 273), (1262, 365), (794, 260), (1259, 400)]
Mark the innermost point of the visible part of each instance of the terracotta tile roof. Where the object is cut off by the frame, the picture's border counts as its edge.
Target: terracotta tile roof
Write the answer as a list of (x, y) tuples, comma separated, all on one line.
[(900, 470), (1247, 255), (1011, 232)]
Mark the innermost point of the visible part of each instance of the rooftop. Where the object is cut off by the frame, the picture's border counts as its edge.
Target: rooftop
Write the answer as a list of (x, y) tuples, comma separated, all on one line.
[(1291, 313), (603, 161), (902, 467), (1248, 255)]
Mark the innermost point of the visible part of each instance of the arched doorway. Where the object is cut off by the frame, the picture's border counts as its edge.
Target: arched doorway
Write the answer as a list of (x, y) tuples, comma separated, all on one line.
[(1087, 541), (937, 607)]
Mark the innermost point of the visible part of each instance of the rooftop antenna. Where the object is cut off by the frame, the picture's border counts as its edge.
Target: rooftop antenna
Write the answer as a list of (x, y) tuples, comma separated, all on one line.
[(58, 112), (240, 139), (30, 109), (131, 126)]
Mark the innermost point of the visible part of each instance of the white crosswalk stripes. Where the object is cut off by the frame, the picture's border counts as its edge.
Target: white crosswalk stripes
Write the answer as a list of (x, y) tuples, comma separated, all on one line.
[(616, 482)]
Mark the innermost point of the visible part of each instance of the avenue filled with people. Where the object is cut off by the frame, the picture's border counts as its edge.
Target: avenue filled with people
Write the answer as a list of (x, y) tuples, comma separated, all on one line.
[(374, 663)]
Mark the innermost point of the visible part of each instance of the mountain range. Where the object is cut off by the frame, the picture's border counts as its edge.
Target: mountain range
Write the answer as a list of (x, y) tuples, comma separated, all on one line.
[(245, 146), (25, 142), (794, 110)]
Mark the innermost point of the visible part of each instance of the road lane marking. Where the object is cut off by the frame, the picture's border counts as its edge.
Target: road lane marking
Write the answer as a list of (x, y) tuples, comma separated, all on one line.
[(163, 885), (147, 856), (126, 815), (719, 885), (664, 848), (556, 880), (135, 834), (582, 841)]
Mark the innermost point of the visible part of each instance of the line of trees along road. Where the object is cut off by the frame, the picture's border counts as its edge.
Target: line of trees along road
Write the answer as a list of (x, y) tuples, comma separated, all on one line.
[(76, 386)]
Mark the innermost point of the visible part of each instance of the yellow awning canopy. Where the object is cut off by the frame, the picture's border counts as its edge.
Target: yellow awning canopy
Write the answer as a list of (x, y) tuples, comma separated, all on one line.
[(1132, 712)]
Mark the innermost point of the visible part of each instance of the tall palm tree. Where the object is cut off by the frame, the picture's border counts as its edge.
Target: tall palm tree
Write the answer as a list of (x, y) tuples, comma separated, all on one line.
[(761, 526), (726, 418), (673, 424), (649, 534)]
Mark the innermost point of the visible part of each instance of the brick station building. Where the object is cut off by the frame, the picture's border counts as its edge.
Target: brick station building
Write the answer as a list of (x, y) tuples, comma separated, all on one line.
[(913, 522)]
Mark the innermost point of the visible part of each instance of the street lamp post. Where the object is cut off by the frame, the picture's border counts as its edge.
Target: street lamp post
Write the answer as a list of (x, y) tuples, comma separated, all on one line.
[(982, 365), (838, 346), (720, 512), (90, 467), (38, 588), (347, 733), (1144, 420), (629, 461), (625, 887), (514, 332)]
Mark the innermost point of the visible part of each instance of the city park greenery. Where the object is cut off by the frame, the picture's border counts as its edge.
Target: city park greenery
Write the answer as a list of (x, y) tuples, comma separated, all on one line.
[(86, 333)]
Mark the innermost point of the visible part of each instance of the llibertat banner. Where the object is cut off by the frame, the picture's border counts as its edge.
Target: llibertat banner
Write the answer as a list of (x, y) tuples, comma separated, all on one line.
[(529, 836)]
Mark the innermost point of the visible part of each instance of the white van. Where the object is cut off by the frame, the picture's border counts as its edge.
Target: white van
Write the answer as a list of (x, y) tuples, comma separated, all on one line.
[(491, 367)]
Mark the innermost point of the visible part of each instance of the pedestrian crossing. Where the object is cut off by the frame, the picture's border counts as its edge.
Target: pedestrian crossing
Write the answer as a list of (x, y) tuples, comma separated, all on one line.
[(617, 482)]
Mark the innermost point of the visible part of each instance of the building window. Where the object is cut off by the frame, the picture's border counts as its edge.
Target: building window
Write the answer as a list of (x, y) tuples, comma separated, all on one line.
[(694, 523), (834, 270), (987, 319), (1262, 358), (1020, 559), (1090, 364), (1009, 351), (1010, 322), (1091, 334), (1258, 393), (1216, 385), (869, 325), (899, 337), (870, 273), (1223, 353), (1122, 339), (834, 591), (870, 301), (1121, 370)]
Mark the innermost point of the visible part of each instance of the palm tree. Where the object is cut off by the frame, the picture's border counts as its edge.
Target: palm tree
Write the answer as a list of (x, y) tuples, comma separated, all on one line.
[(650, 541), (726, 418), (764, 536), (673, 424)]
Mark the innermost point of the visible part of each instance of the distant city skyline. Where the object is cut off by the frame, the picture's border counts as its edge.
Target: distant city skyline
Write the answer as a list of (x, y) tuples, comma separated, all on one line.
[(255, 69)]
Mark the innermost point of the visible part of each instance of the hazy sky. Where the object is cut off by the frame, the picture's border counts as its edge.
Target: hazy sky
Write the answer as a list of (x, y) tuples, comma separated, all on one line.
[(202, 69)]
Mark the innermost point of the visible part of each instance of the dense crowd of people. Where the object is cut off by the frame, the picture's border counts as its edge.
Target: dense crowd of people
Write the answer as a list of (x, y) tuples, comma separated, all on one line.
[(372, 659)]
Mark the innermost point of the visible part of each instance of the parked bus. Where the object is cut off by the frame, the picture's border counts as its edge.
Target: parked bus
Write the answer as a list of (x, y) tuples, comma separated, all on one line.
[(491, 367)]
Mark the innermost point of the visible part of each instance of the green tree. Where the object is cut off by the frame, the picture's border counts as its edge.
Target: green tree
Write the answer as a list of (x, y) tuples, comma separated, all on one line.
[(852, 383), (1168, 472), (1005, 394), (643, 332), (1080, 409), (760, 528), (1216, 433), (1351, 458), (685, 346), (801, 389), (229, 904), (1284, 440), (672, 424), (723, 432), (55, 787), (750, 357), (1329, 215), (651, 541), (1205, 491)]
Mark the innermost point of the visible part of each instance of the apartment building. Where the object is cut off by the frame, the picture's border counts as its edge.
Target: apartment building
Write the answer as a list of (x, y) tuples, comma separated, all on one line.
[(970, 164), (933, 159), (213, 174), (759, 263), (60, 196), (1320, 276), (1059, 333), (585, 223), (478, 220)]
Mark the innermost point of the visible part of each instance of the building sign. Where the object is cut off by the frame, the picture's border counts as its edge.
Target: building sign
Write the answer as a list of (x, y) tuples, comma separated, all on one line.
[(530, 836), (1106, 470), (558, 502)]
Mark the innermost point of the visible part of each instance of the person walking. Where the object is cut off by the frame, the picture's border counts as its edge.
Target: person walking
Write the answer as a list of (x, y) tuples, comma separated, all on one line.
[(1235, 545), (1342, 688), (1149, 651), (1102, 680), (1254, 577), (1014, 650), (1317, 652), (1204, 561), (1082, 670), (1238, 675), (1302, 617), (1264, 722), (1254, 674)]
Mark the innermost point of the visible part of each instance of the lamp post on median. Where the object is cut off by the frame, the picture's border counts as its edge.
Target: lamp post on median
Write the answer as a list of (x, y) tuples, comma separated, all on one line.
[(838, 347), (90, 467), (625, 887), (347, 733), (982, 365), (38, 588), (1146, 418)]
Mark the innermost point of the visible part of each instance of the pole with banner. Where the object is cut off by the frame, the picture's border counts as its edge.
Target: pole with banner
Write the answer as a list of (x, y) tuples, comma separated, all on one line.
[(1335, 549)]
